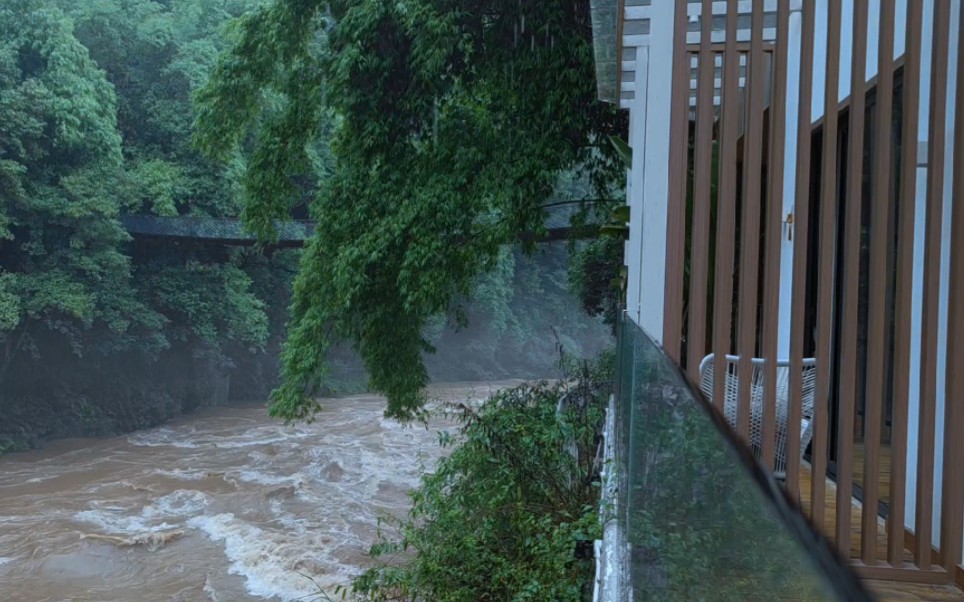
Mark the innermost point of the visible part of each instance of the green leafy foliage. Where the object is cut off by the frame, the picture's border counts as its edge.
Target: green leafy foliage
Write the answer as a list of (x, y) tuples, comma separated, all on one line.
[(450, 121), (595, 276), (502, 516), (61, 154), (95, 121), (155, 54), (215, 303), (95, 117)]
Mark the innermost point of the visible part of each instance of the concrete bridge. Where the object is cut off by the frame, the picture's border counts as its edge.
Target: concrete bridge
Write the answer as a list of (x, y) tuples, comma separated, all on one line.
[(229, 231)]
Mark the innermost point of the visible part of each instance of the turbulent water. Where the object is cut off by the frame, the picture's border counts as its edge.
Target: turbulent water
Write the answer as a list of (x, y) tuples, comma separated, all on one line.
[(224, 505)]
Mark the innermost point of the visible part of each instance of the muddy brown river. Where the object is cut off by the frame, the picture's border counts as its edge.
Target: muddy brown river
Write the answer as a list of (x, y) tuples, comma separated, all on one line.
[(223, 505)]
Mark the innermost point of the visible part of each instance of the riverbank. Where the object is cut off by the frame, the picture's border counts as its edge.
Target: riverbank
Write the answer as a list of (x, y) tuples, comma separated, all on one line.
[(68, 396)]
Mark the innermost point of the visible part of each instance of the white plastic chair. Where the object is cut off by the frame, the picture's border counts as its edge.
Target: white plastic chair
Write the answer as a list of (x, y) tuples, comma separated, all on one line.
[(731, 391)]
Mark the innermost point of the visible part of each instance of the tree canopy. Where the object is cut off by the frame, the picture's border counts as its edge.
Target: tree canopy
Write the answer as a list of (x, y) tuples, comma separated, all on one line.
[(450, 122), (88, 132), (60, 155)]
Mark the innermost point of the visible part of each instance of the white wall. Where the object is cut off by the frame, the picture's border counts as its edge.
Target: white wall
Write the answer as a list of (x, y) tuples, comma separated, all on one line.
[(649, 190), (817, 109), (789, 179), (846, 46)]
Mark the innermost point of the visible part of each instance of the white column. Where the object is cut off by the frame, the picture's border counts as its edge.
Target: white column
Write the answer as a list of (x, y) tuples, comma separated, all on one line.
[(920, 215), (913, 396), (789, 180), (653, 156), (636, 290)]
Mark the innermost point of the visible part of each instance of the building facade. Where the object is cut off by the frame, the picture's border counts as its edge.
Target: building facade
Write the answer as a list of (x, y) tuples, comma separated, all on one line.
[(797, 199)]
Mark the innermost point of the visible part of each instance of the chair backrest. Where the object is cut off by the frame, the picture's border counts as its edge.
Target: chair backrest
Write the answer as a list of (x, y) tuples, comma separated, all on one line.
[(731, 387)]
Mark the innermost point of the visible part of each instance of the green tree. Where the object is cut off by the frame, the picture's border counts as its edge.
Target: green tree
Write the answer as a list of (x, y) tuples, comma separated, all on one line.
[(450, 122), (502, 516), (592, 275), (60, 157), (95, 116), (154, 55)]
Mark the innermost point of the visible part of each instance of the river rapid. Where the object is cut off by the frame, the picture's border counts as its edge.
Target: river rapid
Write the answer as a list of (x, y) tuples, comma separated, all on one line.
[(223, 505)]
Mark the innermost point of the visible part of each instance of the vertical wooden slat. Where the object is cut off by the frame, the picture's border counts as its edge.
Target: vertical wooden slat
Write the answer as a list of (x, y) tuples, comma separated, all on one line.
[(676, 211), (932, 280), (851, 253), (702, 183), (801, 210), (952, 499), (877, 288), (826, 258), (774, 247), (907, 197), (749, 240), (726, 204)]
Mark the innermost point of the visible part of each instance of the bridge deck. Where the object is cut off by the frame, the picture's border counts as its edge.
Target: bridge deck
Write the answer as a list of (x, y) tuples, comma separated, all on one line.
[(230, 231), (220, 230)]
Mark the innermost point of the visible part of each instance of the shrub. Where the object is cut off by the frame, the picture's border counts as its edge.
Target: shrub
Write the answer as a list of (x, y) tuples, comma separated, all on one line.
[(506, 515)]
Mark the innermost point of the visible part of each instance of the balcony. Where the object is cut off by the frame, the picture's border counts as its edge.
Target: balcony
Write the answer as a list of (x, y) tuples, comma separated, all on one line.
[(692, 515)]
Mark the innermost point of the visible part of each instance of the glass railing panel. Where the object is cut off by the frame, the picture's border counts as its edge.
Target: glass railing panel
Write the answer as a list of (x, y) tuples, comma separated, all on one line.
[(604, 14), (702, 521)]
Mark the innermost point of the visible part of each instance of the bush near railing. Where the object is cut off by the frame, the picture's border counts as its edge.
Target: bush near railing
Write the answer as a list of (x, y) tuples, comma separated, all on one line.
[(506, 516)]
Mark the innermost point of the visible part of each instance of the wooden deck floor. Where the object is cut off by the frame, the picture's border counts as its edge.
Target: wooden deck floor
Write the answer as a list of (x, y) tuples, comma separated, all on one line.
[(886, 591)]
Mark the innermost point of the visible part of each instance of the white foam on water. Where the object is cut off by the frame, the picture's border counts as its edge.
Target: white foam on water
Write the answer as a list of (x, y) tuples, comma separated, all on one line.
[(265, 559), (289, 521), (5, 559), (125, 524), (184, 475), (262, 478), (192, 439), (163, 437), (152, 518), (181, 502), (231, 443)]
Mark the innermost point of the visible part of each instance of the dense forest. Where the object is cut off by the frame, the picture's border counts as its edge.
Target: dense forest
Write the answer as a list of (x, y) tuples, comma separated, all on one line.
[(101, 333)]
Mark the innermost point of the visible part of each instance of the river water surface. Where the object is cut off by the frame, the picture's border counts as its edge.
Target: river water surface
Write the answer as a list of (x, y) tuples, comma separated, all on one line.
[(223, 505)]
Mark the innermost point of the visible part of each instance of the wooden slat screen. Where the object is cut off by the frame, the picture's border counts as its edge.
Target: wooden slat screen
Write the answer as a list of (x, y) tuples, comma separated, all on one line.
[(851, 231), (847, 388), (731, 107), (702, 188), (932, 277), (749, 237), (826, 254), (676, 210), (952, 500), (877, 291), (905, 282)]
